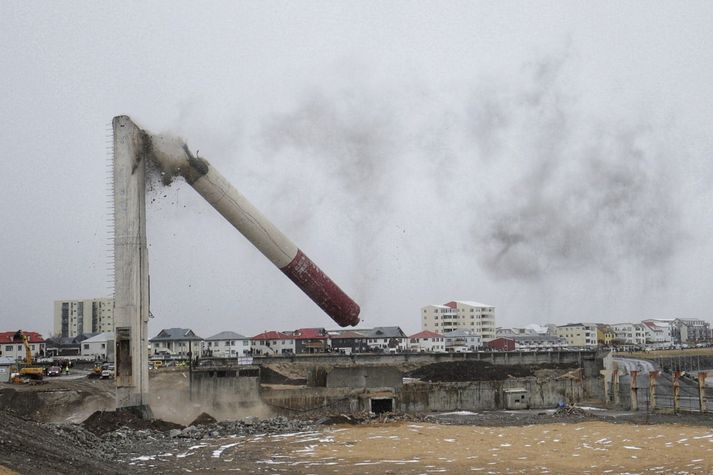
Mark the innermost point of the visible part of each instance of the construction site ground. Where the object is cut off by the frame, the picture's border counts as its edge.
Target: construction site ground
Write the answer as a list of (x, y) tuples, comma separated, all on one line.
[(564, 441)]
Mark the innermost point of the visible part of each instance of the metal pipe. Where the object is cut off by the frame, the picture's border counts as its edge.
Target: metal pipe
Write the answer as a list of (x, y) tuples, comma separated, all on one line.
[(174, 157)]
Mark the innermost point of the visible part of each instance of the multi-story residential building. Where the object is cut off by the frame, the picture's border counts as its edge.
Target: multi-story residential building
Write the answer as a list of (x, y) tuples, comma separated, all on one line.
[(428, 342), (273, 343), (460, 315), (689, 330), (579, 335), (629, 334), (100, 347), (227, 345), (78, 317), (462, 341), (15, 349), (658, 333), (176, 342)]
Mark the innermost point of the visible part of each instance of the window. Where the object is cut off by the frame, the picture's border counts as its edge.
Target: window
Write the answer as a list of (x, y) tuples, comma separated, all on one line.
[(8, 348), (103, 346), (227, 343), (86, 346)]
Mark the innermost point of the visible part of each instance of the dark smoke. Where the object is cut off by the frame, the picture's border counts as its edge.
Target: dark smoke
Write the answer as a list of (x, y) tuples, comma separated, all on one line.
[(589, 194)]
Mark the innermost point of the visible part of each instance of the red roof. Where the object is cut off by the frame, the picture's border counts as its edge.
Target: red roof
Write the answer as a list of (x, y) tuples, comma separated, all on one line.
[(32, 337), (451, 305), (426, 334), (272, 335), (310, 334)]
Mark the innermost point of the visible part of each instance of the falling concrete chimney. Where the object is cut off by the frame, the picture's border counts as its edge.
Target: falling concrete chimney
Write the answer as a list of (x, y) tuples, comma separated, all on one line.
[(174, 158)]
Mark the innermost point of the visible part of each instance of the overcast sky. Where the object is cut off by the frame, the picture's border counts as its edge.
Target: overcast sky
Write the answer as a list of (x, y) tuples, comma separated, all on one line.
[(551, 159)]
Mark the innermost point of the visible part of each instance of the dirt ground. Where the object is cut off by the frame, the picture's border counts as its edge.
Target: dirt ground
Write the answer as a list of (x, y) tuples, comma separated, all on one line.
[(417, 448)]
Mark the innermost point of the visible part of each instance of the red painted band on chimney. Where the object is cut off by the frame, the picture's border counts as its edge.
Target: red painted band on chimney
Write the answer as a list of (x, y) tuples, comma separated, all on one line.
[(322, 290)]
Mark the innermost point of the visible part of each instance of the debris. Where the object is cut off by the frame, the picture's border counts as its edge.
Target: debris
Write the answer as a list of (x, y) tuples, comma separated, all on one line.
[(203, 419)]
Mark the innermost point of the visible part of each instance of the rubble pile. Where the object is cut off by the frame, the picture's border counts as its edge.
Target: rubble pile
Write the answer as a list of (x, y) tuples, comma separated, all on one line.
[(571, 411), (275, 425), (370, 418)]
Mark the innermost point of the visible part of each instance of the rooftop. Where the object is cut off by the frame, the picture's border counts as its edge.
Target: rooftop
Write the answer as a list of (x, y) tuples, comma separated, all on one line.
[(176, 334), (228, 335)]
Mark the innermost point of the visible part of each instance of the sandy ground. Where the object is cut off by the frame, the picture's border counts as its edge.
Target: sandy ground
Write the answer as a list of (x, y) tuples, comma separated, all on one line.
[(408, 448)]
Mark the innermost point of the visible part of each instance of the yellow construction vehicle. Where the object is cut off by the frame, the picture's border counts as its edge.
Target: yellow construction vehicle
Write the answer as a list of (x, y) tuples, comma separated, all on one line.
[(26, 371)]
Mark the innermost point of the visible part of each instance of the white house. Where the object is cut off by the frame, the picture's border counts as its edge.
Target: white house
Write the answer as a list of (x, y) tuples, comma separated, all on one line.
[(13, 347), (273, 343), (385, 339), (100, 347), (427, 341), (176, 342), (629, 333), (658, 333), (462, 341), (227, 345)]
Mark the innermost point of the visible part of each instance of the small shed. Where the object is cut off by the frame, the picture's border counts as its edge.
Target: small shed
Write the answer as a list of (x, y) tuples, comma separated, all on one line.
[(517, 398), (6, 363)]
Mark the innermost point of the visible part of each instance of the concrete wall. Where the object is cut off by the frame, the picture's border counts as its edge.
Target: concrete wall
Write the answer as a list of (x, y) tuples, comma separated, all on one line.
[(423, 397), (364, 377), (484, 395), (585, 358), (226, 390)]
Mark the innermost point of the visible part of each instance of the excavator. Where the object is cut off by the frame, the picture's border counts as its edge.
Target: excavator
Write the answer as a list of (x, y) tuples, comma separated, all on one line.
[(26, 371)]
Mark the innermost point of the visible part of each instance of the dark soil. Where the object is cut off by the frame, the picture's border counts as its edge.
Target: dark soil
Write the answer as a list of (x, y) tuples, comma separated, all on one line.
[(461, 371), (29, 447), (102, 422), (203, 419)]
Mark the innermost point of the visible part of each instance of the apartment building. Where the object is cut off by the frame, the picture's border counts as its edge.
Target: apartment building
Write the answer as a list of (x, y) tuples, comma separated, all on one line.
[(690, 330), (87, 316), (460, 315), (579, 335)]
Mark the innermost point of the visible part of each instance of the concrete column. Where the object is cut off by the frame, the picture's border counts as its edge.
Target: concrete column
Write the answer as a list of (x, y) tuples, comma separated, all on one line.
[(617, 396), (606, 376), (634, 391), (676, 392), (131, 271), (702, 390), (652, 389)]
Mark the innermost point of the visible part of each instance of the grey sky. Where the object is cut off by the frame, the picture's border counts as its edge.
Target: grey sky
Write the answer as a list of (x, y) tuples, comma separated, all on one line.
[(552, 159)]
